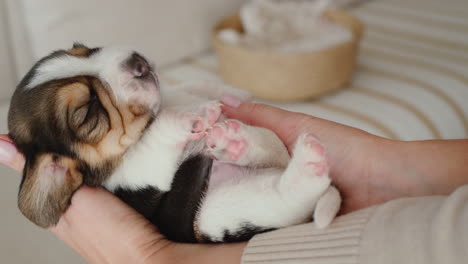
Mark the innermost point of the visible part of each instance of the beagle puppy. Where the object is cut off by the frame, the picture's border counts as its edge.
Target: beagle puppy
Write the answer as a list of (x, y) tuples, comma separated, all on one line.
[(98, 116)]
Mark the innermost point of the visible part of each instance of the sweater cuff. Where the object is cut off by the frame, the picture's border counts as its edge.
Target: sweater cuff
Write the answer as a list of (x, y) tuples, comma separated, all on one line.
[(338, 243)]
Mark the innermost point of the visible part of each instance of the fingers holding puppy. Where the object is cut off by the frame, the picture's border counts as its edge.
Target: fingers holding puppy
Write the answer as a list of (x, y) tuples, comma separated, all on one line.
[(96, 212), (9, 155), (90, 224)]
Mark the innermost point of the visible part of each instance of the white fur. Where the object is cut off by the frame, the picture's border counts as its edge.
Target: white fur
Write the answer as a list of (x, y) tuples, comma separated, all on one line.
[(263, 188), (107, 65), (270, 191), (265, 150), (152, 162), (268, 197)]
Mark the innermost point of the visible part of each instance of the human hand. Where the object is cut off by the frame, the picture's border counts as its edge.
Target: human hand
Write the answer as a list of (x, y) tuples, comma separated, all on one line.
[(103, 229), (350, 151), (367, 169)]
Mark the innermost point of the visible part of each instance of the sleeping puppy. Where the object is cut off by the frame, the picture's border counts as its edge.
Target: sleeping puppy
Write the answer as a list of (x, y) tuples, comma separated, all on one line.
[(97, 116)]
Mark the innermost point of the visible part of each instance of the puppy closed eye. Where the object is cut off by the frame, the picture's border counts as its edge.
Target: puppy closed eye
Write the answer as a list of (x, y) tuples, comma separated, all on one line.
[(88, 119), (82, 112)]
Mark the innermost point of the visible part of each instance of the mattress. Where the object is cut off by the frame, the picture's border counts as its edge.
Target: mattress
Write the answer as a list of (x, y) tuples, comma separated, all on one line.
[(411, 81)]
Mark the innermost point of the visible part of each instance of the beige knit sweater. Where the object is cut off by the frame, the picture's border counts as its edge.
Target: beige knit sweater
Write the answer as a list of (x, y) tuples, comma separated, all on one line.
[(421, 230)]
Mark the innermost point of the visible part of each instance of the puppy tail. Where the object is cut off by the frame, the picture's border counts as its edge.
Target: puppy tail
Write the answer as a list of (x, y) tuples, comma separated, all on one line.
[(327, 207)]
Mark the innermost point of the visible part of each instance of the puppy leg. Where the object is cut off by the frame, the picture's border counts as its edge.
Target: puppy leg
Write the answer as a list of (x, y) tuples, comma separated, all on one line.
[(188, 122), (234, 142), (272, 199), (167, 142)]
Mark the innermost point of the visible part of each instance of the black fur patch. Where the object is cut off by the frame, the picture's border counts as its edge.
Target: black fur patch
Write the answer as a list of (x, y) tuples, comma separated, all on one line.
[(246, 232), (145, 201), (174, 212), (178, 207), (93, 50)]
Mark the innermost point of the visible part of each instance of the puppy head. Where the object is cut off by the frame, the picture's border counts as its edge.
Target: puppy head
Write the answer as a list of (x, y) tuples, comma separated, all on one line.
[(73, 116)]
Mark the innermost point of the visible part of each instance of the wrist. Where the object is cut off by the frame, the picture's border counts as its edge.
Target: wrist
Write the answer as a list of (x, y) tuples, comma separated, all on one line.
[(401, 171), (199, 253), (388, 166), (363, 171), (431, 167), (230, 253)]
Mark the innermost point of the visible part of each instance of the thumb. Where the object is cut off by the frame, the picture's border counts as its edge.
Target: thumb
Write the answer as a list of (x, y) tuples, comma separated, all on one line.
[(287, 125), (102, 228), (9, 155)]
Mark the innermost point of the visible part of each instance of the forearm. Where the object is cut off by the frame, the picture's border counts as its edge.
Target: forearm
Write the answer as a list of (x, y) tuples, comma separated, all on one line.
[(432, 167), (410, 230), (201, 253)]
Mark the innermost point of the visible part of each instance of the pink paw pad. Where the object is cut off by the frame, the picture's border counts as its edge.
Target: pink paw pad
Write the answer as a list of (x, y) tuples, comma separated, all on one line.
[(311, 139), (215, 134), (198, 127), (225, 141), (197, 132), (236, 149), (202, 121), (319, 150), (318, 161), (319, 168), (234, 126)]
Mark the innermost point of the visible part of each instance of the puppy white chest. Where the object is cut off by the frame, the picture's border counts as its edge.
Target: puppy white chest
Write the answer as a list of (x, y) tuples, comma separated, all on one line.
[(152, 162)]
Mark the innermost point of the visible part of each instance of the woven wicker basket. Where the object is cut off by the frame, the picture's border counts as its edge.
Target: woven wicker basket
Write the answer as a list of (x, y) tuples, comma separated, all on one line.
[(285, 77)]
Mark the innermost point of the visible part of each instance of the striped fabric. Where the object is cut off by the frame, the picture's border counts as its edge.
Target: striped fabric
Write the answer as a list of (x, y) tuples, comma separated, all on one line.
[(412, 76), (307, 244)]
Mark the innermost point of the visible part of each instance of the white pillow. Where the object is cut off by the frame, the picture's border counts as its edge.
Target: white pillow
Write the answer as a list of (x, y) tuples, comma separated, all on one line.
[(165, 31)]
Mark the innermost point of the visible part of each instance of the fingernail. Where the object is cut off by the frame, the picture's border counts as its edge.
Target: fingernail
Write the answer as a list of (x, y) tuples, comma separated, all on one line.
[(7, 151), (231, 101), (6, 138)]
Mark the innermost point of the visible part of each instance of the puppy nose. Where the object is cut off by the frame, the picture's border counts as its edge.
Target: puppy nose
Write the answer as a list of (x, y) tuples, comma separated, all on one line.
[(138, 65)]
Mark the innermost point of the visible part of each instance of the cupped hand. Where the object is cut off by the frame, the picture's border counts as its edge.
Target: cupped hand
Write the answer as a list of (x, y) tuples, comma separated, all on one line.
[(357, 158), (367, 169), (103, 229)]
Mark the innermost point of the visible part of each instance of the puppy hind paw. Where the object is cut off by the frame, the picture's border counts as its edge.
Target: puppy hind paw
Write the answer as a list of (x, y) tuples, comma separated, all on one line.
[(313, 154)]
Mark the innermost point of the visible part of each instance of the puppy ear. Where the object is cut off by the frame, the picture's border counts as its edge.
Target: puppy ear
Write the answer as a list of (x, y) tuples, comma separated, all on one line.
[(77, 45), (49, 182)]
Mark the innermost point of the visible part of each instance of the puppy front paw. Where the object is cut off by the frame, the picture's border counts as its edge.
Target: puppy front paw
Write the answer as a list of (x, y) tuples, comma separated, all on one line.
[(226, 141), (203, 119)]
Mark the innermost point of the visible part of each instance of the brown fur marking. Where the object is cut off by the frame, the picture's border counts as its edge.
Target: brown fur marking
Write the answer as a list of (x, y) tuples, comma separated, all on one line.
[(79, 52), (125, 129), (43, 196), (82, 139)]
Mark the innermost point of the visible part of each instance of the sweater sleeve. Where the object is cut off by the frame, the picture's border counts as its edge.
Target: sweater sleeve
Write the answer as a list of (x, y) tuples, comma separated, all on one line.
[(421, 230)]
